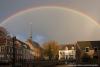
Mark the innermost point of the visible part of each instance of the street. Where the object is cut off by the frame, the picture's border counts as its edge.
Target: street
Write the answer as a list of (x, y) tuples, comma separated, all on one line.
[(64, 66)]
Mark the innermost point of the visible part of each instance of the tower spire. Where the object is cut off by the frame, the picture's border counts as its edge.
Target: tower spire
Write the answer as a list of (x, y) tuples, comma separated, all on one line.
[(30, 35)]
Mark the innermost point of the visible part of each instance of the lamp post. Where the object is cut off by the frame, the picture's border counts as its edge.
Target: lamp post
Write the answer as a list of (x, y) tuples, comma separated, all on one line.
[(14, 54)]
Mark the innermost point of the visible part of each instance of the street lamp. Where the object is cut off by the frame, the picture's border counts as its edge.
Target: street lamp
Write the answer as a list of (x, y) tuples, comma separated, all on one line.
[(14, 51)]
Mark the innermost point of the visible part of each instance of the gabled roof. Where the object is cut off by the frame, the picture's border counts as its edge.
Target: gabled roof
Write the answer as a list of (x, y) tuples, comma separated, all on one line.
[(90, 44), (62, 47), (34, 44), (84, 44), (23, 44), (95, 44)]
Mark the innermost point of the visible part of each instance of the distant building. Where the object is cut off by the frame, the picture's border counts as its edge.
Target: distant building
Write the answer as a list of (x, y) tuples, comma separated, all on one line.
[(23, 52), (35, 47), (67, 52), (5, 39)]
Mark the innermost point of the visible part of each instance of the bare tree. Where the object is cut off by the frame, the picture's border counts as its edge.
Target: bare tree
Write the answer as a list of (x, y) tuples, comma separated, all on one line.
[(51, 49)]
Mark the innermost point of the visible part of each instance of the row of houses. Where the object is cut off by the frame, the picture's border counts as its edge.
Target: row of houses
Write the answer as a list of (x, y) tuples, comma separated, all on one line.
[(30, 50), (13, 49), (81, 52)]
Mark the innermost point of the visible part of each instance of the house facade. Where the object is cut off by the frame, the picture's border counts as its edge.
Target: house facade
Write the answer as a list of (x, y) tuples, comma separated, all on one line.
[(88, 52), (67, 52), (13, 49), (36, 49)]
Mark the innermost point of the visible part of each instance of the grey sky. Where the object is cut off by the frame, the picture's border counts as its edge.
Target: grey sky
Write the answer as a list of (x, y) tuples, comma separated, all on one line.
[(62, 31), (89, 7), (53, 23)]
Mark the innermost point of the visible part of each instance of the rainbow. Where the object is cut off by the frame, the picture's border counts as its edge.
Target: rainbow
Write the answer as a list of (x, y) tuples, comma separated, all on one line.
[(41, 7)]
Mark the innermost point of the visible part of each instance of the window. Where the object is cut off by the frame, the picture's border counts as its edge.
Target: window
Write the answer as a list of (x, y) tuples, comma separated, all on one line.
[(61, 53), (72, 48), (66, 48), (95, 49), (0, 49), (87, 49)]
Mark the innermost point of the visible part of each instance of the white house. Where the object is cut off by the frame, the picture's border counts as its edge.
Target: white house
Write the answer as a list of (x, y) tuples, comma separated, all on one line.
[(67, 52)]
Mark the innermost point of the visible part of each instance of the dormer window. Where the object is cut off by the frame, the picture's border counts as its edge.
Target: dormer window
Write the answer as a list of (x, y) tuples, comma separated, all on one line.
[(66, 48), (95, 49), (87, 49), (72, 48), (61, 53)]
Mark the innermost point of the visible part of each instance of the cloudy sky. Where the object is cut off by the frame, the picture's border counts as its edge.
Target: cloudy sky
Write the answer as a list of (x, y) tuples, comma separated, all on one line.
[(61, 20)]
